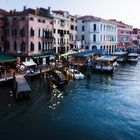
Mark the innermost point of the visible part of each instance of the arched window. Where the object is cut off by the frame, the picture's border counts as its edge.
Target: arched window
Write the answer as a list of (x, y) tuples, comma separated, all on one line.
[(101, 47), (15, 45), (23, 46), (39, 46), (39, 32), (32, 46), (31, 32)]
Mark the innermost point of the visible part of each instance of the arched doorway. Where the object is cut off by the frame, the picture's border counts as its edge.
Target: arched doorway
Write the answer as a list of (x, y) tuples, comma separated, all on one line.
[(94, 47)]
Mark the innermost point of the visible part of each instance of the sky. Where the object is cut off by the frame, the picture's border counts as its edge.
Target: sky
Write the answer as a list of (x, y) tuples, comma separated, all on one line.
[(127, 11)]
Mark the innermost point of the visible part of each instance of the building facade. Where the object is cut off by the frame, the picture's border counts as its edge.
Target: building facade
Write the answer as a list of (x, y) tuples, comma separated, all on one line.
[(73, 32), (2, 14), (124, 32), (65, 28), (96, 33), (29, 33), (136, 38), (61, 31)]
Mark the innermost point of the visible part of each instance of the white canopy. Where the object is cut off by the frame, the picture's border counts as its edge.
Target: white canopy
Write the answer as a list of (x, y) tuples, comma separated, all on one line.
[(29, 63)]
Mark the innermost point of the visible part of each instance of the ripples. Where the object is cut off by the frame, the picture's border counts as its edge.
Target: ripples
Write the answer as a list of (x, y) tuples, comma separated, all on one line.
[(104, 107)]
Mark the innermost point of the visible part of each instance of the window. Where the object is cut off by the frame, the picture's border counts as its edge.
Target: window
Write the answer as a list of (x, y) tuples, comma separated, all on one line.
[(67, 32), (72, 27), (23, 18), (83, 28), (23, 46), (39, 20), (14, 19), (39, 32), (94, 27), (101, 27), (94, 38), (2, 38), (83, 37), (83, 21), (31, 18), (15, 45), (31, 32), (32, 46), (58, 40), (54, 31), (43, 21), (54, 41), (87, 47), (75, 28), (39, 46), (22, 32), (14, 31)]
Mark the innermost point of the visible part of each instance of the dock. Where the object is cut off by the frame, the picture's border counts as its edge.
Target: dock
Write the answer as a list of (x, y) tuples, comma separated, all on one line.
[(22, 88)]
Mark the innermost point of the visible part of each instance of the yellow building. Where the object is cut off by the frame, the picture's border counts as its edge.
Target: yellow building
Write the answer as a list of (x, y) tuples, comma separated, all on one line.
[(64, 31)]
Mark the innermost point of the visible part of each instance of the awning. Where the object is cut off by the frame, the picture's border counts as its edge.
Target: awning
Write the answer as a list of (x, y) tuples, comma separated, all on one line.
[(41, 56), (29, 63), (6, 58)]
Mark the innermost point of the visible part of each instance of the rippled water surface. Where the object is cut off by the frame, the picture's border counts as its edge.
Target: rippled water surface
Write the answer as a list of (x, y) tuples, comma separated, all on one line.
[(104, 107)]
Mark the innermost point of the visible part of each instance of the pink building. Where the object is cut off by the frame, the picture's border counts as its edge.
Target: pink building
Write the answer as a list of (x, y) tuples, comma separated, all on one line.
[(124, 35), (136, 37), (2, 13), (29, 33)]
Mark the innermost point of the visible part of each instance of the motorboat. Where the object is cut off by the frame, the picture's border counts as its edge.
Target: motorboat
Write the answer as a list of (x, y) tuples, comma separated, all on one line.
[(57, 77), (74, 73), (106, 64), (132, 57)]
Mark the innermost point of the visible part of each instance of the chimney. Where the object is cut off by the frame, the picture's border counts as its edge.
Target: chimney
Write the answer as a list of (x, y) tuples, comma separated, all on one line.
[(24, 8), (14, 11), (49, 9), (36, 11)]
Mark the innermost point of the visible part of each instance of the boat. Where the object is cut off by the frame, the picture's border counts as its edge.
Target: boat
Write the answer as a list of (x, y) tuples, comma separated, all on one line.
[(106, 64), (74, 73), (121, 56), (57, 77), (132, 57)]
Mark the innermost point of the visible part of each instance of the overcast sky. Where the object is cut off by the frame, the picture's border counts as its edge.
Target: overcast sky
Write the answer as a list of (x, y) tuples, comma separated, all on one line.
[(127, 11)]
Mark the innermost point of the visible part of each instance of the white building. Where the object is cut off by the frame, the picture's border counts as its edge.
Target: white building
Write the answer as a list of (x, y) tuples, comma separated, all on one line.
[(96, 33)]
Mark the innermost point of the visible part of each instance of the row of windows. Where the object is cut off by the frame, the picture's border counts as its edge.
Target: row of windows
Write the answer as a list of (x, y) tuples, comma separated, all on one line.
[(102, 38), (59, 41), (102, 27), (32, 46)]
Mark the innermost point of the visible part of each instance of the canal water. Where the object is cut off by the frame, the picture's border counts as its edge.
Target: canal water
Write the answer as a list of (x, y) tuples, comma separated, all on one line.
[(104, 107)]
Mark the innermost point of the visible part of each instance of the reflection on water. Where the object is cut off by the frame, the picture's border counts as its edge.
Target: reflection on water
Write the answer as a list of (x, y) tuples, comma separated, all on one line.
[(102, 107), (56, 97)]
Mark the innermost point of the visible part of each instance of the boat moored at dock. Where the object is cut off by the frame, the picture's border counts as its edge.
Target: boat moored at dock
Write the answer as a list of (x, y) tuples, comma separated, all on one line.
[(132, 57), (74, 73), (106, 64), (121, 56)]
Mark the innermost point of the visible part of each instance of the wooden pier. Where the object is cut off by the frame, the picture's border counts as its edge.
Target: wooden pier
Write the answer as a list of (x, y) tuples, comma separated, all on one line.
[(21, 87)]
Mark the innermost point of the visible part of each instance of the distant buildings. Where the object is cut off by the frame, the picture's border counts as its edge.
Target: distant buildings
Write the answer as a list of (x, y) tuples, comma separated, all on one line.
[(136, 37), (124, 35), (96, 33)]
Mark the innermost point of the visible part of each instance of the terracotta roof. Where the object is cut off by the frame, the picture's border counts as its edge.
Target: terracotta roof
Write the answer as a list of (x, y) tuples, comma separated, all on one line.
[(40, 12), (89, 17), (2, 11), (58, 12)]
